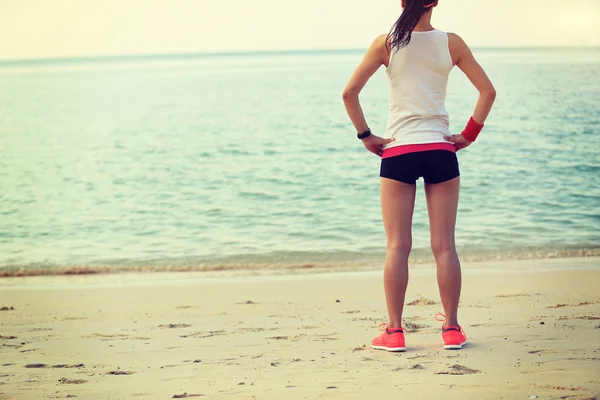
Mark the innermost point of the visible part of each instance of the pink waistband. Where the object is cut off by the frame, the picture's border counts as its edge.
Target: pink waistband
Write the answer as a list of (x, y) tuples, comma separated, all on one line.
[(415, 148)]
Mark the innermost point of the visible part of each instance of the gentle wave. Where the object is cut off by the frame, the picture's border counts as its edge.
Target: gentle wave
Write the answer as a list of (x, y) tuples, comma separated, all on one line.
[(282, 262)]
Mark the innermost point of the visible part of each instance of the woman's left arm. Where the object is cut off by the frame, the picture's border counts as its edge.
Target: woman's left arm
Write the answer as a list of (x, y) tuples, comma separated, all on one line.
[(376, 56)]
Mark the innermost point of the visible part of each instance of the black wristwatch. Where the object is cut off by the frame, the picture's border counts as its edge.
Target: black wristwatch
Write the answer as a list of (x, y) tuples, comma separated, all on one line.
[(364, 135)]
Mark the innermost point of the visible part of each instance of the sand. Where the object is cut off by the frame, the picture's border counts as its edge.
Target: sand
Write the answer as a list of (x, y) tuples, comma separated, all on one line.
[(534, 330)]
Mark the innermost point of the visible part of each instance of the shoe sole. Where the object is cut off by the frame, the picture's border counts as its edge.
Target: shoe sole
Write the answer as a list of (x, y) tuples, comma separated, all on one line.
[(392, 349), (455, 346)]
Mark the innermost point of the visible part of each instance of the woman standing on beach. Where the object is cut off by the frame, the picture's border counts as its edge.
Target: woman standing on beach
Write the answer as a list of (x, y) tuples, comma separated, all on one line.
[(418, 143)]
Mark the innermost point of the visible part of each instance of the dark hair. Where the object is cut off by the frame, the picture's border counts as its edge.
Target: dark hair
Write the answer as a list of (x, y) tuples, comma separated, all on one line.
[(401, 31)]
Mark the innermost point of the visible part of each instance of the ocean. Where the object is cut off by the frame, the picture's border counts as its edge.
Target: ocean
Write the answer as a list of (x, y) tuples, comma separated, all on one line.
[(237, 161)]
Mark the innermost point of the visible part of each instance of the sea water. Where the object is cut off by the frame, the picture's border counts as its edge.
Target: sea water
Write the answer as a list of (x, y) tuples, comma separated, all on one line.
[(250, 159)]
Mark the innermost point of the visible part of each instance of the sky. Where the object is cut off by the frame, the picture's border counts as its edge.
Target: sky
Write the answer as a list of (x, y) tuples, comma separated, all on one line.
[(81, 28)]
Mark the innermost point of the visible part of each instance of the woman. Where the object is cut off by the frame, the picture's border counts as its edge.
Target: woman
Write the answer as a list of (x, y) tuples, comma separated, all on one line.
[(418, 143)]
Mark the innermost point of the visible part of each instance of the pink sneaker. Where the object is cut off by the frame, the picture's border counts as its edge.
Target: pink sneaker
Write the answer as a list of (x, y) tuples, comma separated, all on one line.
[(453, 336), (390, 339)]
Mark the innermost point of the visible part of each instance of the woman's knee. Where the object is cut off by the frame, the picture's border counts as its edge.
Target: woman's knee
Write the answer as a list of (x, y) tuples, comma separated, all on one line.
[(399, 247), (441, 248)]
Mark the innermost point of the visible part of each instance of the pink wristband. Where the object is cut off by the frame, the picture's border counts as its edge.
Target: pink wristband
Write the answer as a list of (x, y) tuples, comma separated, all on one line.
[(472, 130)]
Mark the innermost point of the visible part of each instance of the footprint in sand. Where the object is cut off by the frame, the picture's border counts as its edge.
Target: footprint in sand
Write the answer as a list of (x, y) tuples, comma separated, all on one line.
[(174, 326), (302, 327), (585, 303), (68, 366), (553, 351), (203, 335), (278, 338), (412, 326), (459, 370), (369, 319), (569, 388), (427, 355), (256, 329), (325, 337), (36, 366), (117, 336), (422, 302), (583, 317), (328, 337), (414, 367), (108, 336), (119, 372), (66, 381)]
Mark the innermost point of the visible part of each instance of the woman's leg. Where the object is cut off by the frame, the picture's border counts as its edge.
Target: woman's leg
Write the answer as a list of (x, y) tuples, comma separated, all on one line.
[(442, 203), (397, 204)]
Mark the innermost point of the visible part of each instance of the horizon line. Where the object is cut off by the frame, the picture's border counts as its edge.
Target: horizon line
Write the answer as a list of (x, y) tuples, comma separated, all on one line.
[(115, 57)]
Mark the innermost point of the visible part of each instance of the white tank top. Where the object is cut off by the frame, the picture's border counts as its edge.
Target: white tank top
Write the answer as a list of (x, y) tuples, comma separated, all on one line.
[(418, 78)]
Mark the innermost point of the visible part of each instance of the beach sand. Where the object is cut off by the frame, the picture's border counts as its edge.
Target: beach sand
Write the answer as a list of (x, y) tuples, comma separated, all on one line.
[(302, 335)]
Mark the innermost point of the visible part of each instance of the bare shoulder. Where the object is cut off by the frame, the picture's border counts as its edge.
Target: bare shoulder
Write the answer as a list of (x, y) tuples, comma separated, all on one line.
[(381, 40), (381, 43), (380, 49), (458, 47), (453, 37)]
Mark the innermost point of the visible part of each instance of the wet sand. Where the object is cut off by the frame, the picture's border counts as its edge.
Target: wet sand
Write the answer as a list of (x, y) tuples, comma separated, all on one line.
[(300, 335)]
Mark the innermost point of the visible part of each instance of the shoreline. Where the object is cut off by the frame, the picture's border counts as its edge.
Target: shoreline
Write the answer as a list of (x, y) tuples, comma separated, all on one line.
[(290, 267), (145, 279)]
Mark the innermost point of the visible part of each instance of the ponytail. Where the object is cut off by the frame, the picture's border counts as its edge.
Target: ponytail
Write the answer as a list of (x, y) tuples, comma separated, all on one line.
[(401, 31)]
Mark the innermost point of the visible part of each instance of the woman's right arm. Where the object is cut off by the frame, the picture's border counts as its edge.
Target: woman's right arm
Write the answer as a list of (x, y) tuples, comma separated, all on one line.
[(463, 58)]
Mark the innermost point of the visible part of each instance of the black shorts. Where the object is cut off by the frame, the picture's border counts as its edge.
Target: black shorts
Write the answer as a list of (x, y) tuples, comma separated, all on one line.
[(435, 166)]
